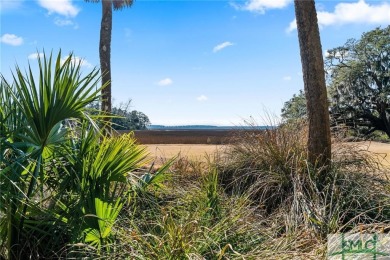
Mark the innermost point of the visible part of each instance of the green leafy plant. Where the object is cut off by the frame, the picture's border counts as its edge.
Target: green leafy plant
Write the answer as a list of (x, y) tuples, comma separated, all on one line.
[(98, 226), (58, 172), (31, 119), (212, 189)]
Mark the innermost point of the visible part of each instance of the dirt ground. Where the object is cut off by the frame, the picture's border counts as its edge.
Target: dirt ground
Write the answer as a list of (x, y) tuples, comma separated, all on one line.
[(200, 151), (381, 149), (192, 151)]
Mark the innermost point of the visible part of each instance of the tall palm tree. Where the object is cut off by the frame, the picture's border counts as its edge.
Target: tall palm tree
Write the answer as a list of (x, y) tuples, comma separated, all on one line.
[(319, 142), (105, 46)]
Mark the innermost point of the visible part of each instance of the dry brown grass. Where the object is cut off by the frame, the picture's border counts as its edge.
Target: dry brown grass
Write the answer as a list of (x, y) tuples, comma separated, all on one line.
[(380, 152), (192, 151), (198, 151), (290, 217)]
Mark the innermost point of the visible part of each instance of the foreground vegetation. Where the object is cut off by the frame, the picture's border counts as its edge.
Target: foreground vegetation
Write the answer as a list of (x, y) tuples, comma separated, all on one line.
[(68, 191)]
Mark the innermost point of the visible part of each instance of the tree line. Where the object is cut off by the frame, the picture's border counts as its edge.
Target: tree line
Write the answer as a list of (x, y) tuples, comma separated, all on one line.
[(358, 85), (122, 117)]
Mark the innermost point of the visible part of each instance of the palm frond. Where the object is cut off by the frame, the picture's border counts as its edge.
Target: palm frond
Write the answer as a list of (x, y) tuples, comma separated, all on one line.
[(120, 4), (31, 116)]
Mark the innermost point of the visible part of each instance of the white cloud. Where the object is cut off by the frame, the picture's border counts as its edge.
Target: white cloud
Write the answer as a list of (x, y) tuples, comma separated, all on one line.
[(222, 46), (260, 6), (65, 22), (202, 98), (346, 13), (287, 78), (292, 26), (11, 39), (77, 60), (165, 82), (34, 56), (61, 7)]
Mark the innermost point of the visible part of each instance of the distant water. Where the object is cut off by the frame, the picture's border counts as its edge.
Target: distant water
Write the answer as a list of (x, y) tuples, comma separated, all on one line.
[(207, 127)]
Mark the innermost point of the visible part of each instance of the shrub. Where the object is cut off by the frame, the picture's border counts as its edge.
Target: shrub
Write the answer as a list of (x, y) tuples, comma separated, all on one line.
[(272, 167), (58, 173)]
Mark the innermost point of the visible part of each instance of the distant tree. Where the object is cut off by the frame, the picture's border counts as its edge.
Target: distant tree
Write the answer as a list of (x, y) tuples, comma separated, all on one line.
[(295, 108), (359, 82), (129, 119), (123, 117), (319, 142), (105, 46)]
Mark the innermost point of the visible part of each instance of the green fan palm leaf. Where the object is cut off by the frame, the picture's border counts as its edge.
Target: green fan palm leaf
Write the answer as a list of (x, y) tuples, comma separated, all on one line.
[(31, 123), (98, 232)]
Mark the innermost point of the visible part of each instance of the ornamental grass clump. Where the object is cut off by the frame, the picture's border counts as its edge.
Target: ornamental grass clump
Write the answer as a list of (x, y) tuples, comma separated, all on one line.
[(271, 166), (195, 221), (265, 163)]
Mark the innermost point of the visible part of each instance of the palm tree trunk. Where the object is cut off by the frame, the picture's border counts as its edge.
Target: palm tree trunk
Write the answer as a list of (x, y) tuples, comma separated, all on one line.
[(105, 54), (319, 142)]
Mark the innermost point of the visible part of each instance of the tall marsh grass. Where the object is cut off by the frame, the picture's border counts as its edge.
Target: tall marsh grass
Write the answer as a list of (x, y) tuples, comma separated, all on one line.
[(272, 168)]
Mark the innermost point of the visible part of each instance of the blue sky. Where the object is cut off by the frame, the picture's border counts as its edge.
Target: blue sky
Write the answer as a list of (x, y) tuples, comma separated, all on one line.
[(186, 62)]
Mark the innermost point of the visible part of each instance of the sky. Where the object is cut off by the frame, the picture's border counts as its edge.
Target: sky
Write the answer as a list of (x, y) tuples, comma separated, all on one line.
[(186, 62)]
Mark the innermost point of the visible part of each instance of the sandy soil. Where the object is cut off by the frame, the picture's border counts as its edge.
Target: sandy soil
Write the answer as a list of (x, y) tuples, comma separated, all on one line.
[(199, 151), (192, 151), (380, 149)]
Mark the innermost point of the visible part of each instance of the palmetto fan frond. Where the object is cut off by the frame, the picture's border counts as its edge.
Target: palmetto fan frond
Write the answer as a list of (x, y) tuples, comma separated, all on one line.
[(117, 4), (31, 122), (53, 177)]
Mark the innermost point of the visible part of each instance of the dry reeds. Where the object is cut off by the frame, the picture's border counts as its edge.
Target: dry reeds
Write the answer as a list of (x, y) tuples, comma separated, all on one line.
[(272, 168)]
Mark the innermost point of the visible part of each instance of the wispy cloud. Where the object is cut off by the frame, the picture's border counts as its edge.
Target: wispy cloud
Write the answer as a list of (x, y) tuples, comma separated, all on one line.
[(260, 6), (77, 60), (65, 22), (10, 5), (34, 56), (222, 46), (202, 98), (165, 82), (61, 7), (287, 78), (11, 39), (359, 12)]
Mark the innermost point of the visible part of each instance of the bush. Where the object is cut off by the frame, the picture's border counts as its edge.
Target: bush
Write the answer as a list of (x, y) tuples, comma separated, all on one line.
[(191, 221), (58, 173), (265, 163), (272, 168)]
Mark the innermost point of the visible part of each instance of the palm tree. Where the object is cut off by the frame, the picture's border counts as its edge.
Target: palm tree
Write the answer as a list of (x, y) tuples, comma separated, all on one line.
[(105, 46), (319, 142)]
